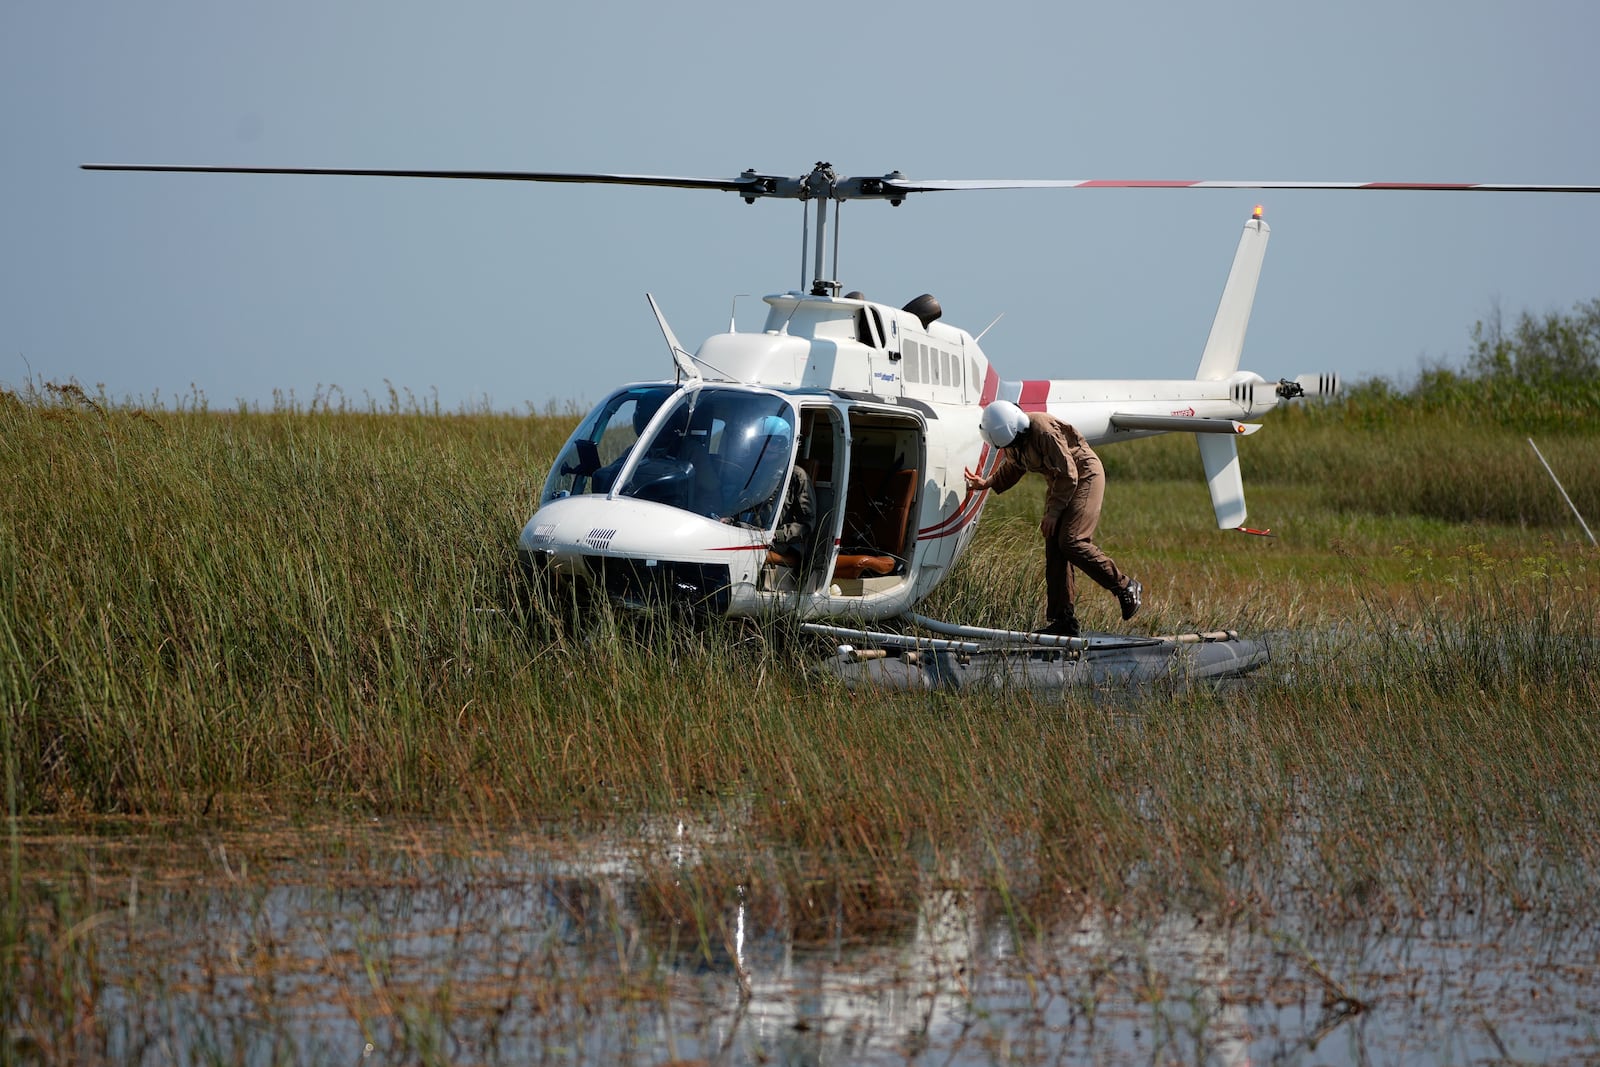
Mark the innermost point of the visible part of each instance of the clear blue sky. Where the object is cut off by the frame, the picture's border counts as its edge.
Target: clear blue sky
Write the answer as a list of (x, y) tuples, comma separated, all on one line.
[(527, 294)]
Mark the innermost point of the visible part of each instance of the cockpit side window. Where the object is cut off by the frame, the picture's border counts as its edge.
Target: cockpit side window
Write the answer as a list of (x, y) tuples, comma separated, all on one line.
[(597, 450)]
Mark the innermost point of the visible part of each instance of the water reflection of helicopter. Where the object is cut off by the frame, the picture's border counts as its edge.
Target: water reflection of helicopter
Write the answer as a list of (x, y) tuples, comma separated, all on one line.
[(857, 967), (674, 490)]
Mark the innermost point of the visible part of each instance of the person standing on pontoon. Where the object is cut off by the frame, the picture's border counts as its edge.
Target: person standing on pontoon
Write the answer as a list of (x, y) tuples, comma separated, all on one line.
[(1043, 444)]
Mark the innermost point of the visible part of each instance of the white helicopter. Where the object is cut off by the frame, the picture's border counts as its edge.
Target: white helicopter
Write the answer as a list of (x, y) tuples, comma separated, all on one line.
[(673, 491), (679, 486)]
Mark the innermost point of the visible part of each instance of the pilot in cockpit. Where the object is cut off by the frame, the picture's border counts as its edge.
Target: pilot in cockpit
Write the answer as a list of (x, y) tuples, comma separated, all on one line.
[(765, 453), (644, 409)]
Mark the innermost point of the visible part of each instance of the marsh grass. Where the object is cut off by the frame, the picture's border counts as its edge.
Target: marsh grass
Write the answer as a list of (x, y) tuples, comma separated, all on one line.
[(1390, 456), (207, 614)]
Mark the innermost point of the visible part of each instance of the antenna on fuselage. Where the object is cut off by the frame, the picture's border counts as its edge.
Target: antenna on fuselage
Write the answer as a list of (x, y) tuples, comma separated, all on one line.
[(683, 360), (688, 366)]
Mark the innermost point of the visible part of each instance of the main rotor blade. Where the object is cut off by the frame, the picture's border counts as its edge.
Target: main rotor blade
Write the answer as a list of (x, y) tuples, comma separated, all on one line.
[(749, 184), (906, 185), (820, 183)]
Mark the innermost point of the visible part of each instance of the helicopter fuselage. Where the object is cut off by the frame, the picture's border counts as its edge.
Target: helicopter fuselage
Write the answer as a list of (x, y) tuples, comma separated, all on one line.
[(677, 491)]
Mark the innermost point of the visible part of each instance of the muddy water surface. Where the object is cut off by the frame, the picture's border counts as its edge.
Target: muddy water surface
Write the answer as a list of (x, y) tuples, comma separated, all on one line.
[(668, 940)]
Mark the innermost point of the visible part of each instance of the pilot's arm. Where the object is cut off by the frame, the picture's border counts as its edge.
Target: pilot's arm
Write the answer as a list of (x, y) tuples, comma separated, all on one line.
[(799, 511)]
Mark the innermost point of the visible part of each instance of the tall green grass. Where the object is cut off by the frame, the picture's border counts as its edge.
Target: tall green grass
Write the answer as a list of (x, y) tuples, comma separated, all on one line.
[(200, 603), (208, 616), (1435, 466), (208, 613)]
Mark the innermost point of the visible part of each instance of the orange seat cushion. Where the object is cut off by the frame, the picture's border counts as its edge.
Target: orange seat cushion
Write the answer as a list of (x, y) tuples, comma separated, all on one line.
[(854, 566)]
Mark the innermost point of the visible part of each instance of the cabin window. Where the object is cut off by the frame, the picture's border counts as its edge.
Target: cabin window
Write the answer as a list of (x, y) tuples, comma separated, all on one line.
[(927, 364), (595, 453), (868, 331)]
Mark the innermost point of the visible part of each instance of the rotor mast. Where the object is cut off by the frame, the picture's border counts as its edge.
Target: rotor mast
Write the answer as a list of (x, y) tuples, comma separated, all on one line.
[(821, 185)]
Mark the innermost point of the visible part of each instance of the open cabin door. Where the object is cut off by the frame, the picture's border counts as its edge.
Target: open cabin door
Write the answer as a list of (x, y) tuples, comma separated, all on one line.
[(803, 564), (884, 474), (865, 469)]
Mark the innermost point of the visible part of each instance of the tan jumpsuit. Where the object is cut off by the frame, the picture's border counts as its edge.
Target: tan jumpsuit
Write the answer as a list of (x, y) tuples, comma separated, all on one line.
[(1077, 486)]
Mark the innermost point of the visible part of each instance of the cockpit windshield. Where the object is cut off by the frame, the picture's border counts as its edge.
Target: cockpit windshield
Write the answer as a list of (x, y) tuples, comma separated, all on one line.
[(721, 453), (597, 450)]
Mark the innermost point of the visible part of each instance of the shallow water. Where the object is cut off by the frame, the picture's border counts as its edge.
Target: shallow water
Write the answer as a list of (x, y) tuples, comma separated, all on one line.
[(675, 940)]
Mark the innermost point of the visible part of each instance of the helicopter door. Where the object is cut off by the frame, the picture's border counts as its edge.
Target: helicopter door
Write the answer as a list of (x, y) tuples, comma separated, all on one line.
[(798, 565), (878, 535)]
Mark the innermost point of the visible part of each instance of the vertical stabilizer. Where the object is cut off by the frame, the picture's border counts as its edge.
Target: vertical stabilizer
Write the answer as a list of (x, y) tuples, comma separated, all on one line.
[(1221, 460), (1221, 356)]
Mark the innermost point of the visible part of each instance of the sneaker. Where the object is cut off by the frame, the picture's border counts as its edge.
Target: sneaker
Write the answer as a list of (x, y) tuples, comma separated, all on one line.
[(1066, 626), (1129, 597)]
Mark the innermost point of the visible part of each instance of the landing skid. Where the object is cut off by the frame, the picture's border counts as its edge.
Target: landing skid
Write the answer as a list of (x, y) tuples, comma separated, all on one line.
[(975, 657)]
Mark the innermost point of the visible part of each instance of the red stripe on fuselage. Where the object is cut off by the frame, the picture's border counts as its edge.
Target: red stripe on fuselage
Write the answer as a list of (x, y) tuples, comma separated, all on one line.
[(1033, 395), (964, 517), (968, 511)]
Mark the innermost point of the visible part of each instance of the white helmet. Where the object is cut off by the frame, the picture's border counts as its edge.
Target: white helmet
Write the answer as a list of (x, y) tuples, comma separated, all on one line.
[(1002, 422)]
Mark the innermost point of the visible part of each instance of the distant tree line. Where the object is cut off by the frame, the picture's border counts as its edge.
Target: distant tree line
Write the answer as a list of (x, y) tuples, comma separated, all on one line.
[(1542, 373)]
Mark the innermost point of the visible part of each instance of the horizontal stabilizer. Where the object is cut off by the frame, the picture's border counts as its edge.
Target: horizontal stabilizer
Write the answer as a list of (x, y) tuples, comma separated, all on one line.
[(1221, 461), (1182, 424)]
